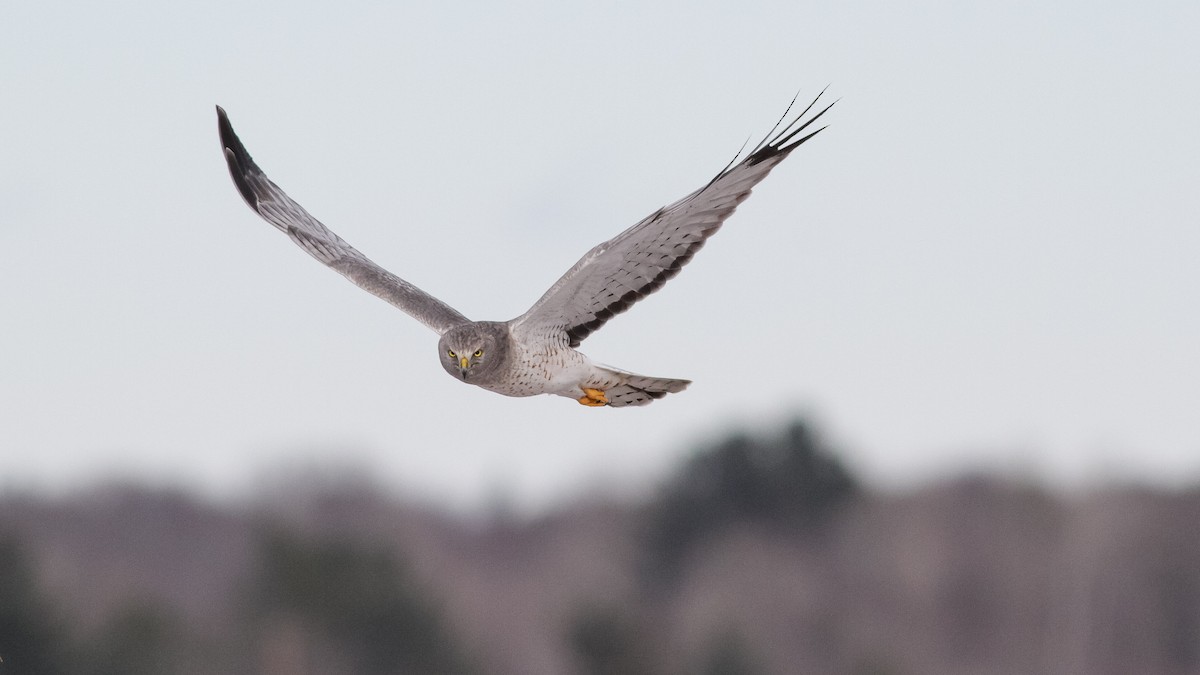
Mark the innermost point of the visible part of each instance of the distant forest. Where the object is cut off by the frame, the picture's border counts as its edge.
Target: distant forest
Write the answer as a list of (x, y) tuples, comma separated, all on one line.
[(761, 554)]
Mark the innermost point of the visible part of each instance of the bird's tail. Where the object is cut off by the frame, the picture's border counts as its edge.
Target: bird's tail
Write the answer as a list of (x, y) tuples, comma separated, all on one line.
[(637, 389)]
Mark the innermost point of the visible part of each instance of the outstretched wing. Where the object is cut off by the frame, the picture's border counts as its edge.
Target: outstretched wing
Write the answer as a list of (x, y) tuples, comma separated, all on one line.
[(320, 242), (637, 262)]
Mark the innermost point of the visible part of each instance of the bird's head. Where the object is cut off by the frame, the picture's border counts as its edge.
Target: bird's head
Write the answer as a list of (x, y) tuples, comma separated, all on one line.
[(473, 350)]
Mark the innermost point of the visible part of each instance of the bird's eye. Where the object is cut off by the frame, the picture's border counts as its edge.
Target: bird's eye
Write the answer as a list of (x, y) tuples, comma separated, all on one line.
[(478, 353), (450, 353)]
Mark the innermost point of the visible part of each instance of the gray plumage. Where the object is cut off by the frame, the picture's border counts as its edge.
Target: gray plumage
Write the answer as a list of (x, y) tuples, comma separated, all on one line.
[(535, 352)]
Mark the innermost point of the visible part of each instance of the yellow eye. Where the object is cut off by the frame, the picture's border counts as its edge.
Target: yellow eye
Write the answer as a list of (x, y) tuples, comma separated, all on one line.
[(451, 353), (478, 353)]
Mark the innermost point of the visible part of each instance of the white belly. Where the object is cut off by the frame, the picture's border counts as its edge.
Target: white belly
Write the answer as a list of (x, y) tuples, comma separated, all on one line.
[(561, 371)]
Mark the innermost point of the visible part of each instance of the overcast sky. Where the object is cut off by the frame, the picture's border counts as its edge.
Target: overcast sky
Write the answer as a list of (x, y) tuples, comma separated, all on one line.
[(991, 259)]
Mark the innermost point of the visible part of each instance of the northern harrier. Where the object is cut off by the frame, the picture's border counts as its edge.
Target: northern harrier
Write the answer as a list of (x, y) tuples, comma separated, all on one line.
[(535, 352)]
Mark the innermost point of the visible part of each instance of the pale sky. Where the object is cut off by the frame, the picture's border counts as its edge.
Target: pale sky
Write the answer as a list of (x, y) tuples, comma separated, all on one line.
[(990, 260)]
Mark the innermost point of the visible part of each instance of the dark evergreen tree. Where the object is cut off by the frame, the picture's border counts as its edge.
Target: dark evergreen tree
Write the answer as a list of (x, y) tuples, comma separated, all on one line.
[(356, 597), (32, 637), (790, 482)]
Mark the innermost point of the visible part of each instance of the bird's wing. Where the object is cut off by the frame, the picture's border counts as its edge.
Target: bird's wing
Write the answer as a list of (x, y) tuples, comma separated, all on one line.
[(619, 272), (320, 242)]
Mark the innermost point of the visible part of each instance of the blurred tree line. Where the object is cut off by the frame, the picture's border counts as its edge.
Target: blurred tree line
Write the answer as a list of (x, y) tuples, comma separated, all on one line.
[(761, 554), (325, 606)]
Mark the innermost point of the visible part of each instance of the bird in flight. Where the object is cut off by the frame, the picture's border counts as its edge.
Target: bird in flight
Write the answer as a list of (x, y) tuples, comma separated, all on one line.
[(535, 353)]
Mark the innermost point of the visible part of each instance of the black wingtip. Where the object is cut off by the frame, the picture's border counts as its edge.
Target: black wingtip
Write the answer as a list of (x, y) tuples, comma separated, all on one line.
[(236, 157), (224, 127), (229, 140), (782, 143)]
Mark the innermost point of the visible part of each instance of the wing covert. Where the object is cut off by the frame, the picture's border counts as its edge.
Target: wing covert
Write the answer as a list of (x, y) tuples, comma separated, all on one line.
[(277, 208)]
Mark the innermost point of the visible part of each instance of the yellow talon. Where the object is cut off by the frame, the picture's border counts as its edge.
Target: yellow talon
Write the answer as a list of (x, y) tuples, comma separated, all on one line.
[(593, 397)]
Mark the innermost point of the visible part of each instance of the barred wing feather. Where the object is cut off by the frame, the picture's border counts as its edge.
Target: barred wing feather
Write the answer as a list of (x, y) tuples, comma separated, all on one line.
[(614, 275)]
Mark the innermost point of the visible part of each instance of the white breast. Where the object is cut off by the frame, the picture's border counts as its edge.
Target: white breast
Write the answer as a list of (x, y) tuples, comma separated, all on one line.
[(544, 369)]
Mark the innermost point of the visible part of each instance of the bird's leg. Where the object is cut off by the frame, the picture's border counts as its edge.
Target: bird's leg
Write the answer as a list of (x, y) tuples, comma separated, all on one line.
[(593, 397)]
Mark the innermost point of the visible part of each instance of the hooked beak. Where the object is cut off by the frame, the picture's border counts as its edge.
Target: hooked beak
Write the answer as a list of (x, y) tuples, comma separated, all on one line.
[(463, 365)]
